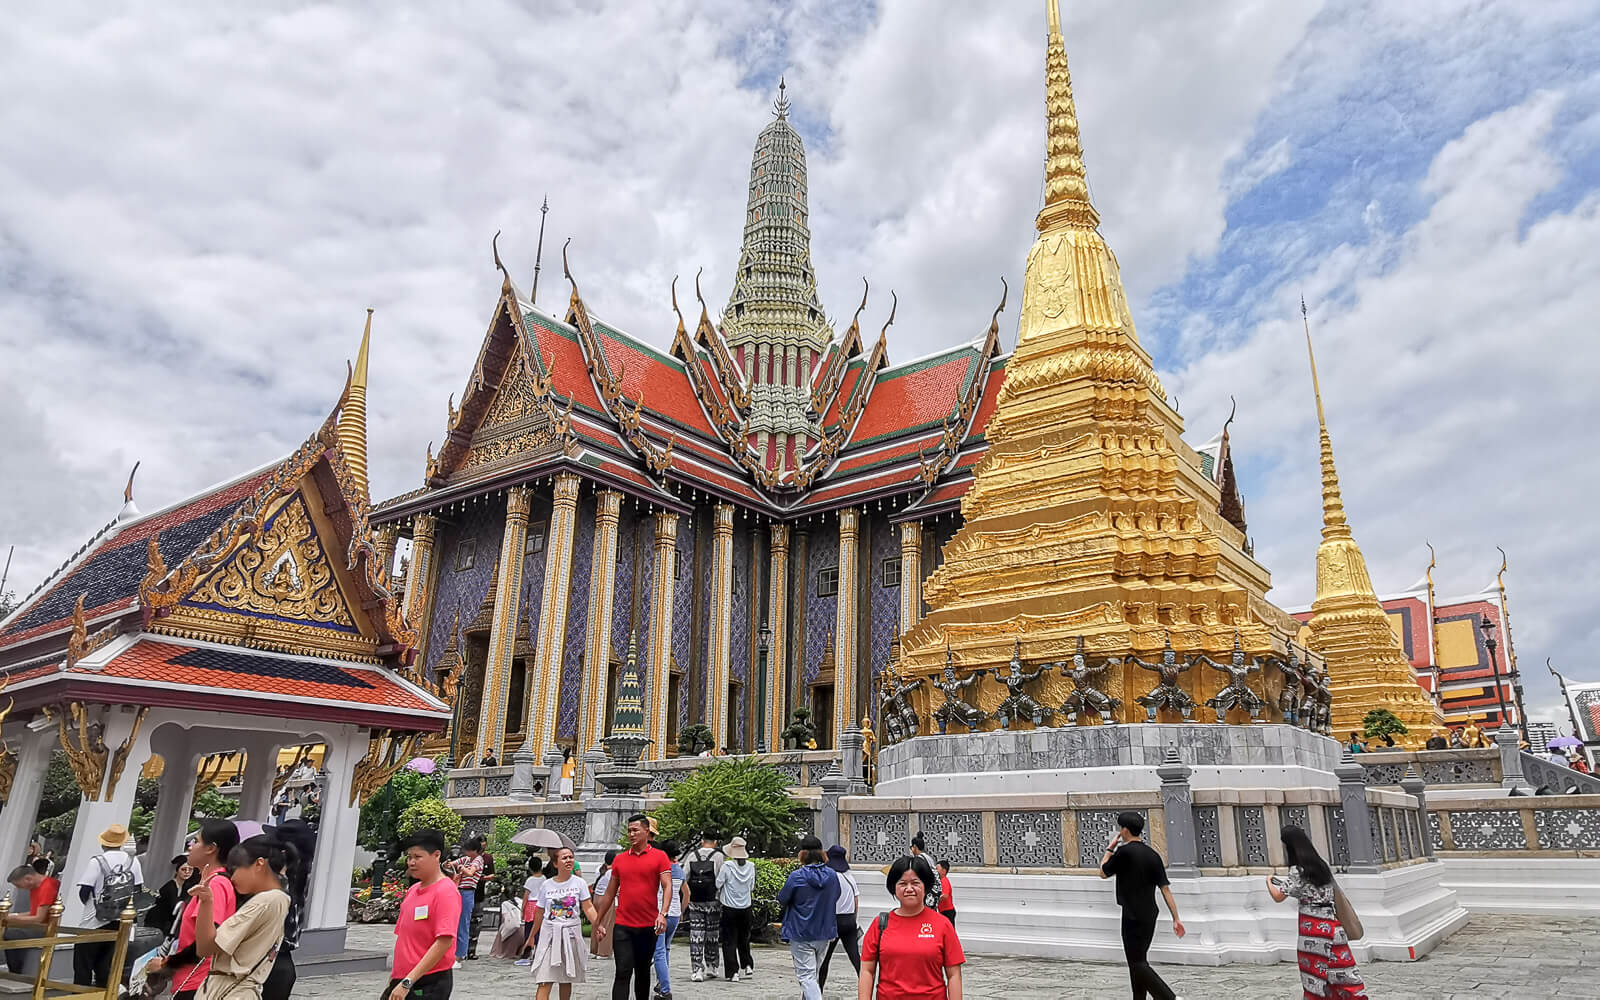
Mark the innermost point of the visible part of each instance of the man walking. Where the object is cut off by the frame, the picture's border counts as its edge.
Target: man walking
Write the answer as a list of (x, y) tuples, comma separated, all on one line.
[(1139, 873), (425, 932), (641, 890), (810, 898), (106, 886), (704, 863)]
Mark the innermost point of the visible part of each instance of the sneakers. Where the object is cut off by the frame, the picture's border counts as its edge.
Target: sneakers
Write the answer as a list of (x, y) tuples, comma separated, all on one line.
[(697, 977), (733, 977), (749, 972), (523, 961)]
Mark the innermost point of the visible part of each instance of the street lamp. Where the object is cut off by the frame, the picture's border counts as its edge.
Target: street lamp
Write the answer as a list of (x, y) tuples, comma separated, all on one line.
[(1487, 628), (763, 645)]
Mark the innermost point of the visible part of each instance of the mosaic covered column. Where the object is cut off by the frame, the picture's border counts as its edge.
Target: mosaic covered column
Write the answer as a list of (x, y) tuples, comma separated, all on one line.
[(546, 680), (387, 537), (602, 603), (662, 583), (910, 575), (844, 632), (721, 638), (778, 622), (418, 576), (503, 631)]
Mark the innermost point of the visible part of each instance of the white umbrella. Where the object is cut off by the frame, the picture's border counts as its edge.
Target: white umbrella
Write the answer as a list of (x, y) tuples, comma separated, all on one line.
[(538, 836)]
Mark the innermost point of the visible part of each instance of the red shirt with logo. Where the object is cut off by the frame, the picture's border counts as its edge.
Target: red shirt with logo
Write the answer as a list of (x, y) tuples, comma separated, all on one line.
[(912, 955), (638, 880)]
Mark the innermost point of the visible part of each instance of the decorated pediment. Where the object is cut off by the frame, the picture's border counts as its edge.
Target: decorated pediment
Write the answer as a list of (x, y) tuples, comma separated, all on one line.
[(515, 426)]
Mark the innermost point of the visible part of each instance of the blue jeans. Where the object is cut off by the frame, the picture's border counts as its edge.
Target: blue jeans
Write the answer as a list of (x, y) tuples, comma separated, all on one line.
[(807, 960), (469, 900), (663, 942)]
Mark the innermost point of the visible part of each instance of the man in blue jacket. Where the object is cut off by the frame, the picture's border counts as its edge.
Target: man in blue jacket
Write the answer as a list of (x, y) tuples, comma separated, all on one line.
[(810, 897)]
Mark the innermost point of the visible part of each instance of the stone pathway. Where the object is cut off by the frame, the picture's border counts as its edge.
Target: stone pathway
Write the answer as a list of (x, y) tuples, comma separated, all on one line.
[(1493, 957)]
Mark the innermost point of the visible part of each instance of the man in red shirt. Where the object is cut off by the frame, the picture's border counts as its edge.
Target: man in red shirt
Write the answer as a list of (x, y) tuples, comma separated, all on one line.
[(641, 889), (425, 933), (42, 894)]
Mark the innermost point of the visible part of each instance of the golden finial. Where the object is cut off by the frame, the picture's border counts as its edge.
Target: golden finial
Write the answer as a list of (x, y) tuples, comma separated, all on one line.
[(1334, 524), (1505, 612), (1066, 186), (353, 415)]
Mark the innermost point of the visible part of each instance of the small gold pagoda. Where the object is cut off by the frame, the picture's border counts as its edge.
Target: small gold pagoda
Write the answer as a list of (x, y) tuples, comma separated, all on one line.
[(1367, 669), (1090, 517)]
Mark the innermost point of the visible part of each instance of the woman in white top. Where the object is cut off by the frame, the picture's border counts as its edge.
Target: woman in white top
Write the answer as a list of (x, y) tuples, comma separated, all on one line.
[(849, 903), (736, 883), (558, 928)]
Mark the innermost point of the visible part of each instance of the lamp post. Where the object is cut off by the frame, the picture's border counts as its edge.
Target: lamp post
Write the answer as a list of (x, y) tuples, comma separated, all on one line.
[(763, 645), (1487, 628)]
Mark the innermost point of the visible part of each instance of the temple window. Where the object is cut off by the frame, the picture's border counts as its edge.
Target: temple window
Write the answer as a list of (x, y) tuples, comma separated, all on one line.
[(828, 581), (466, 554), (891, 572), (534, 542)]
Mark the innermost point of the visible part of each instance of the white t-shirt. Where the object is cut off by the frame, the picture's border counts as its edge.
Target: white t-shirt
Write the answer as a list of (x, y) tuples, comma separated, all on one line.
[(676, 909), (94, 875), (562, 901), (532, 903), (847, 893)]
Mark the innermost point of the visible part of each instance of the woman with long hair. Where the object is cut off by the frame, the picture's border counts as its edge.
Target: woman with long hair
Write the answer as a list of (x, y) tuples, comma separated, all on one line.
[(909, 953), (557, 934), (241, 948), (1327, 967), (301, 836), (208, 855), (600, 939)]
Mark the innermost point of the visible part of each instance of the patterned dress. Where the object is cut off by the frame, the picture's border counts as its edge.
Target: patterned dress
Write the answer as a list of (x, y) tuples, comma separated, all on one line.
[(1327, 968)]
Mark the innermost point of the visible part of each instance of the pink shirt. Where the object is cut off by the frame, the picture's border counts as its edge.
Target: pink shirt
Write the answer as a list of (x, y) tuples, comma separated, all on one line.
[(427, 913), (223, 902)]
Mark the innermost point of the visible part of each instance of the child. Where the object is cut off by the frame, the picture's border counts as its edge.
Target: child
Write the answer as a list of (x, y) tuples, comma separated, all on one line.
[(947, 895)]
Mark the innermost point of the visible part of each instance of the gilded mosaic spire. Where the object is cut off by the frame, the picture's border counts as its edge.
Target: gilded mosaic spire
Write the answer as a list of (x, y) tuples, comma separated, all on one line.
[(1066, 186), (353, 415), (1367, 668)]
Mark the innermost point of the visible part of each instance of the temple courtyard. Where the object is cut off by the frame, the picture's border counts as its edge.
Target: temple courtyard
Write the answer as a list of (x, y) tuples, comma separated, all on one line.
[(1493, 956)]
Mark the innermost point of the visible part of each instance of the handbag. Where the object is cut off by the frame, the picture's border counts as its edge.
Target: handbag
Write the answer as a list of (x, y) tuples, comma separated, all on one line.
[(1346, 914)]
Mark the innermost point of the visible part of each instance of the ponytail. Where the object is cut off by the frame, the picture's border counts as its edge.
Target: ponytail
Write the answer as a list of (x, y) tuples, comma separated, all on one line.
[(282, 857)]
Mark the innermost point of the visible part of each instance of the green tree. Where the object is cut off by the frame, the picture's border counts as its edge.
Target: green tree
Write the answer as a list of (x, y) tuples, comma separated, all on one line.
[(380, 816), (736, 796), (431, 814), (1381, 722), (693, 739), (212, 804)]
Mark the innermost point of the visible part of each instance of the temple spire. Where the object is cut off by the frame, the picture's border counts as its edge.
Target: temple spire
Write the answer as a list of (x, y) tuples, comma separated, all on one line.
[(353, 415), (1066, 185), (538, 255), (1334, 524)]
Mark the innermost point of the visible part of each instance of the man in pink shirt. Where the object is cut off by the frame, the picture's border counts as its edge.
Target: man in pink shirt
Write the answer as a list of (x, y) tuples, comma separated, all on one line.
[(425, 933)]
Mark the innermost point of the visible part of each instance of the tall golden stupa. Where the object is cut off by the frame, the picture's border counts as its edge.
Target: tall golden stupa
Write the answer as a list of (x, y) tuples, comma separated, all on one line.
[(1090, 517), (1366, 666)]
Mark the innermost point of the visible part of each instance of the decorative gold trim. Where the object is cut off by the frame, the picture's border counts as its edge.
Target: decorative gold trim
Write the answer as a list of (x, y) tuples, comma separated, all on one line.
[(387, 753), (86, 749), (119, 757)]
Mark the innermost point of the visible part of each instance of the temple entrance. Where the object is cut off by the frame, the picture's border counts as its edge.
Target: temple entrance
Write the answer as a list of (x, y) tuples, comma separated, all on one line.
[(516, 703), (822, 715), (674, 699)]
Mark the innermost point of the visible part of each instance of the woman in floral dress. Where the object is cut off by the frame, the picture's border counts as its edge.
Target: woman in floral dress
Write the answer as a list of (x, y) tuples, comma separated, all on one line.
[(1327, 968)]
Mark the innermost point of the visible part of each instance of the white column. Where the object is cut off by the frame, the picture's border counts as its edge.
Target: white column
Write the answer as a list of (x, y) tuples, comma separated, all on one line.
[(174, 801), (116, 802), (16, 818), (260, 766), (336, 833)]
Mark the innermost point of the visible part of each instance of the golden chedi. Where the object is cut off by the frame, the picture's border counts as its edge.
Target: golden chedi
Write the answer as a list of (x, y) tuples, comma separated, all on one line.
[(1367, 669), (1090, 516)]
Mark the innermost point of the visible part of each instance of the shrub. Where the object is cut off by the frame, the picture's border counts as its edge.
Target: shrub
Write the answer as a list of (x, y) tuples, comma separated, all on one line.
[(212, 804), (736, 796), (378, 826), (770, 876), (1381, 722), (696, 738), (431, 814)]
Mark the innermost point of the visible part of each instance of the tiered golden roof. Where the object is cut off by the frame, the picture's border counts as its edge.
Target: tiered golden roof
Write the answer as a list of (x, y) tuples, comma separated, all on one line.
[(1090, 515), (1367, 669)]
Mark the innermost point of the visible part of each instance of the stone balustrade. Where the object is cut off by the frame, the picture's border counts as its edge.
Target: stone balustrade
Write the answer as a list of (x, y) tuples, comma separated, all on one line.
[(1552, 825), (1436, 767)]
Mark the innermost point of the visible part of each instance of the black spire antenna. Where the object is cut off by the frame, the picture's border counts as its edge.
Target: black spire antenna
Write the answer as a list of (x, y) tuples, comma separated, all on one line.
[(538, 254)]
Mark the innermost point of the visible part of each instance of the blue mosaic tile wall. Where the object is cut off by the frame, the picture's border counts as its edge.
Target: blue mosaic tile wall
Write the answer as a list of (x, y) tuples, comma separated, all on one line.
[(622, 607), (743, 592), (577, 622), (683, 602), (533, 564), (884, 606), (822, 552), (644, 566), (463, 591)]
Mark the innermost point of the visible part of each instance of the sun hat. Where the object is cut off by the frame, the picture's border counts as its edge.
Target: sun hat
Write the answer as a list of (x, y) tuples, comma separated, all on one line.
[(114, 835), (836, 859), (737, 849)]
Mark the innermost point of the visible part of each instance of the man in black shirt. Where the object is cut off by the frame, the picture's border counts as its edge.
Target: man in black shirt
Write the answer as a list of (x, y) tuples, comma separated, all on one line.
[(1139, 873)]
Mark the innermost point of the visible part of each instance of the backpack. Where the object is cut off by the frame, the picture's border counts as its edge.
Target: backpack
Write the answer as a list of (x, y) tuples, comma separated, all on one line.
[(935, 893), (116, 891), (702, 880)]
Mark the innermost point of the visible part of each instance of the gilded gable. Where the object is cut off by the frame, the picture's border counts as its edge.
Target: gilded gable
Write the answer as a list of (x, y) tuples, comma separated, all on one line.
[(513, 427)]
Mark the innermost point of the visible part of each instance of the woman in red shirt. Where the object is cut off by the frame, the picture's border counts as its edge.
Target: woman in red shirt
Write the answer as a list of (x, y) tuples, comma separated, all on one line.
[(910, 953), (207, 855)]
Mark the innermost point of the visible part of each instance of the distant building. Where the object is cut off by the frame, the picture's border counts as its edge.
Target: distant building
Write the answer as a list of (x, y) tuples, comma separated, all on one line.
[(1540, 734)]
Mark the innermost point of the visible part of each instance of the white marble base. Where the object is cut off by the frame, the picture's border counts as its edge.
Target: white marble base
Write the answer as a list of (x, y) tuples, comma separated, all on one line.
[(1560, 886), (1406, 912)]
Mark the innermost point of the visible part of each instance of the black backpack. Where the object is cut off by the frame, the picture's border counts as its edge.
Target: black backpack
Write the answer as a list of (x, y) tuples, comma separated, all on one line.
[(116, 890), (702, 880)]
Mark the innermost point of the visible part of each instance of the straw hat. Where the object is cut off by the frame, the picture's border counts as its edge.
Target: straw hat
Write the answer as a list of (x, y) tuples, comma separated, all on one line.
[(737, 849), (114, 835)]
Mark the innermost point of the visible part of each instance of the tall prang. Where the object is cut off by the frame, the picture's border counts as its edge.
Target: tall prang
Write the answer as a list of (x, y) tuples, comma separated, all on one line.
[(1090, 516), (774, 324), (1367, 668)]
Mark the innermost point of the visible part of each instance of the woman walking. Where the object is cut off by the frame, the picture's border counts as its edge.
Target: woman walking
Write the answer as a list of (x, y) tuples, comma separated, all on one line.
[(558, 928), (736, 884), (908, 953), (241, 948), (680, 895), (302, 837), (207, 855), (1327, 968), (600, 933), (844, 916)]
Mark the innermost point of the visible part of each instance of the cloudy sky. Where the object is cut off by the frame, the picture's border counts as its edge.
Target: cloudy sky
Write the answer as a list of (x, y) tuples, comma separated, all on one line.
[(197, 205)]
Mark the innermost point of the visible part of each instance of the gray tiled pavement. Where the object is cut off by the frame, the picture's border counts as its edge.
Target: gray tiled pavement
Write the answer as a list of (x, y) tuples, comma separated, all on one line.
[(1493, 957)]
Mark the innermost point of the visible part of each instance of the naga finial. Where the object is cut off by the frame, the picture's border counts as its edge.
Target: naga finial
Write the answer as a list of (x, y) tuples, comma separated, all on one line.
[(675, 308), (494, 245), (894, 306), (1005, 292), (566, 271), (127, 492)]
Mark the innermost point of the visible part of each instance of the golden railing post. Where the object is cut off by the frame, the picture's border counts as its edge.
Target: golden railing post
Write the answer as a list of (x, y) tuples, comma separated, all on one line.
[(52, 927), (120, 953)]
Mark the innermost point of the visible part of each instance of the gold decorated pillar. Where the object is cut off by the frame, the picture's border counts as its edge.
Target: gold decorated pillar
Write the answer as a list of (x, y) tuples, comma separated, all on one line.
[(778, 647), (388, 538), (602, 603), (546, 680), (662, 584), (721, 638), (844, 632), (910, 574), (419, 578), (503, 629)]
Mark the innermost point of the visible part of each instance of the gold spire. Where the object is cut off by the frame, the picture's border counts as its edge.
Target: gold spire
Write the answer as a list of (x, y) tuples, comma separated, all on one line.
[(1334, 524), (1066, 186), (353, 416)]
